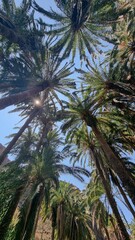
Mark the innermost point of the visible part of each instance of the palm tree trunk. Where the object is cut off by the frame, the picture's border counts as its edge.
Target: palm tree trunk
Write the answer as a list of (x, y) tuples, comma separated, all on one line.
[(17, 135), (32, 217), (24, 206), (60, 219), (53, 232), (22, 96), (113, 204), (54, 220), (44, 133), (114, 162), (9, 214), (37, 216), (116, 230), (129, 206), (97, 232)]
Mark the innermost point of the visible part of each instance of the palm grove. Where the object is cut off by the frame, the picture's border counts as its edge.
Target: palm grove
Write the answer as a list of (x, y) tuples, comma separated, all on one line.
[(69, 72)]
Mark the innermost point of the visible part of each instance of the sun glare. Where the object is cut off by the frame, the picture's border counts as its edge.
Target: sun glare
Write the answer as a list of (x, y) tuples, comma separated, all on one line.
[(37, 102)]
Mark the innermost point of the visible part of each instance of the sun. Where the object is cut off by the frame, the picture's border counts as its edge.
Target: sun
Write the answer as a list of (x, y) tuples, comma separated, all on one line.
[(37, 102)]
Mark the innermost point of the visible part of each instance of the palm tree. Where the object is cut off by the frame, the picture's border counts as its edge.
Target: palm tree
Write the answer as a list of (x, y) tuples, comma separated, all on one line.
[(48, 79), (13, 183), (109, 92), (71, 220), (17, 135), (42, 171), (123, 53), (99, 209), (14, 99), (80, 25), (121, 191), (95, 197), (104, 178), (17, 26), (87, 145), (82, 110), (28, 76)]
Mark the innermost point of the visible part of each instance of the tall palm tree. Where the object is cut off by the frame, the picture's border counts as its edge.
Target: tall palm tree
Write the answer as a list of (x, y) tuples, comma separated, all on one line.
[(104, 178), (13, 183), (18, 27), (82, 146), (17, 135), (99, 208), (121, 191), (71, 219), (25, 77), (48, 78), (112, 94), (114, 99), (87, 145), (42, 172), (82, 110), (80, 25)]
